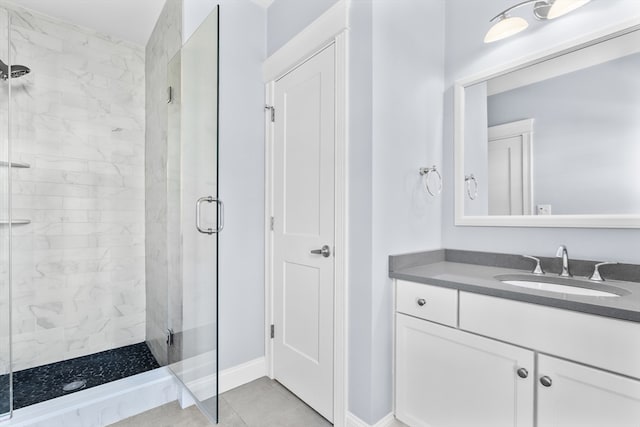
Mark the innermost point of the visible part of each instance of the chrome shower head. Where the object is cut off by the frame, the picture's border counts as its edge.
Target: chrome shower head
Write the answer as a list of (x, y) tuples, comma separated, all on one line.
[(16, 71)]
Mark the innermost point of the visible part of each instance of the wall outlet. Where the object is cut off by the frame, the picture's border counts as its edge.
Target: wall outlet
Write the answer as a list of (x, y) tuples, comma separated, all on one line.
[(544, 210)]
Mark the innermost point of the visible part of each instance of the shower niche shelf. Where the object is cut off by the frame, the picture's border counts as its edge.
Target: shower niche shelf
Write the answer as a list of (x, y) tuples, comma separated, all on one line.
[(15, 222), (18, 165)]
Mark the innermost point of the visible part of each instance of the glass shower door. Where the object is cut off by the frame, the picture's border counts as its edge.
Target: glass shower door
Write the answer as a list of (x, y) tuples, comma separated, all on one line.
[(194, 215), (5, 228)]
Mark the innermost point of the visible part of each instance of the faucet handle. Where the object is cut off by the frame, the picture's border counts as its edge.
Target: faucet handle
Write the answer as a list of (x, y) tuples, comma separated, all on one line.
[(595, 276), (538, 269)]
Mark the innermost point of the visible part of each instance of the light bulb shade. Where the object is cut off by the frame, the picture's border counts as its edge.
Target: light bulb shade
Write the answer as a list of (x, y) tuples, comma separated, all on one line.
[(505, 27), (562, 7)]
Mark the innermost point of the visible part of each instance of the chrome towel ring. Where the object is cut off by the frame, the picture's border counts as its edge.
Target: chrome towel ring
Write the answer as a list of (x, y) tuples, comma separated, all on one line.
[(468, 179), (425, 172)]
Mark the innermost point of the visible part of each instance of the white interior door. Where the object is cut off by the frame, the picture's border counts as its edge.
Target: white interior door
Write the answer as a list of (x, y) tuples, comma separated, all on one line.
[(505, 176), (303, 200), (509, 185), (509, 175)]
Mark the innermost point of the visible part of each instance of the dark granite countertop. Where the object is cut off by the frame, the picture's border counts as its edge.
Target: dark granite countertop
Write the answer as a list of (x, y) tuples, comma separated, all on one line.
[(481, 279)]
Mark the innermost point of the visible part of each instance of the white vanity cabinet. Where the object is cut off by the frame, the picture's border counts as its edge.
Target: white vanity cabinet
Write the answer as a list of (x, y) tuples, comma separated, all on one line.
[(580, 396), (583, 369), (446, 377)]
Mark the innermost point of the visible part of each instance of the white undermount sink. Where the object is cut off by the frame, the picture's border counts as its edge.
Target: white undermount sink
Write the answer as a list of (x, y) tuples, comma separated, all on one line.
[(561, 285)]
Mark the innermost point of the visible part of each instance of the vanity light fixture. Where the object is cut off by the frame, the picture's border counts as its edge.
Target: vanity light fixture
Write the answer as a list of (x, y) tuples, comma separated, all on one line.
[(562, 7), (506, 26)]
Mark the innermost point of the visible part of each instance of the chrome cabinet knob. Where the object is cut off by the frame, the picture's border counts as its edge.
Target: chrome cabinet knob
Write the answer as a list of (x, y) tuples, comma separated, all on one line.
[(421, 302), (546, 381), (325, 251), (522, 373)]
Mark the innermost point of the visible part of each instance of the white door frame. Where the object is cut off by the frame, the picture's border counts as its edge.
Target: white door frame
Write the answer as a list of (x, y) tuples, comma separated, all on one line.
[(330, 28)]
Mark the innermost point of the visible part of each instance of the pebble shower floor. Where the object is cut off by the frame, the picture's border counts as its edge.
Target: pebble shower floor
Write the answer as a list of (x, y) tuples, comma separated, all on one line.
[(46, 382)]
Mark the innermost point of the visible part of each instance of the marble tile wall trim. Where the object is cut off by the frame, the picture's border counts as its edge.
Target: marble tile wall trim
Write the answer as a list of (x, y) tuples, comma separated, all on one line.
[(78, 120), (164, 43), (552, 265)]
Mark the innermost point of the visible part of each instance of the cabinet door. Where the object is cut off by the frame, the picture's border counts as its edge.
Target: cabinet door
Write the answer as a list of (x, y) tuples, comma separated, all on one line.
[(446, 377), (578, 396)]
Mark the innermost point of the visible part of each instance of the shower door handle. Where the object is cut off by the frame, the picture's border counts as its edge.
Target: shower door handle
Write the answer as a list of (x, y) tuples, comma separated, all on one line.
[(220, 206)]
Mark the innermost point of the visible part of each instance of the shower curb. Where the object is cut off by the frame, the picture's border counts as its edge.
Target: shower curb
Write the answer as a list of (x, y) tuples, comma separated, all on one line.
[(101, 405)]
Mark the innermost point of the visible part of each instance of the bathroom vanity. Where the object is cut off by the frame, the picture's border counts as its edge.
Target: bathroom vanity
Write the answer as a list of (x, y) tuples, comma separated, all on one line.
[(471, 350)]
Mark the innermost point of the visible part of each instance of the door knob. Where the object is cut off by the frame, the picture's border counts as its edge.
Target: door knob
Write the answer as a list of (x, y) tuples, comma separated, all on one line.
[(545, 381), (325, 251), (522, 373)]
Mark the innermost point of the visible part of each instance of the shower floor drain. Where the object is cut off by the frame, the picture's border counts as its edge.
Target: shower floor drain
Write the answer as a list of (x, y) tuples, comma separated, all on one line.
[(75, 385)]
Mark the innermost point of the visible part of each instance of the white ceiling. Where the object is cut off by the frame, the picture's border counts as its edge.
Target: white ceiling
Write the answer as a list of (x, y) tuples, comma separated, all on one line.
[(131, 20)]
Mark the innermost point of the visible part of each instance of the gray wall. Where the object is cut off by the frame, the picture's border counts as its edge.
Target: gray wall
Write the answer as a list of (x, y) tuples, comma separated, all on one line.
[(586, 133), (286, 18), (241, 175), (408, 84), (466, 54), (165, 41), (241, 186), (396, 86), (360, 297), (476, 149)]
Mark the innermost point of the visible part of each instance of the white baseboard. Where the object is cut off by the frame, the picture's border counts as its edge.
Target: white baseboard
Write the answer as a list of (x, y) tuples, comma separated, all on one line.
[(204, 388), (185, 399), (242, 374), (353, 421)]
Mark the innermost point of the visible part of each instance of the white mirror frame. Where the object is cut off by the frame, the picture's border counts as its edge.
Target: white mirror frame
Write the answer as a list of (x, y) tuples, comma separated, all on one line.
[(571, 221)]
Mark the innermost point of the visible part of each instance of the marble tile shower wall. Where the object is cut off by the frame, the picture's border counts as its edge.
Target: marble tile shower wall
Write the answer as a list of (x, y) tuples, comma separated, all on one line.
[(78, 119), (164, 43), (4, 231)]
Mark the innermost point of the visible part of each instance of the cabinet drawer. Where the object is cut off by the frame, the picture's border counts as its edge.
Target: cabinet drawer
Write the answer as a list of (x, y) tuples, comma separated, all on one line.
[(427, 302), (593, 340)]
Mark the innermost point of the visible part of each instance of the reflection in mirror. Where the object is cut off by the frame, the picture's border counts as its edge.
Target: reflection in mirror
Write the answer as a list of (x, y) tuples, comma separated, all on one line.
[(560, 137)]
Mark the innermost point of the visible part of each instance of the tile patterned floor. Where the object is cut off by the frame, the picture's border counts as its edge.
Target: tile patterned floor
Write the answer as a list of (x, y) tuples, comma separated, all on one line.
[(261, 403), (169, 415)]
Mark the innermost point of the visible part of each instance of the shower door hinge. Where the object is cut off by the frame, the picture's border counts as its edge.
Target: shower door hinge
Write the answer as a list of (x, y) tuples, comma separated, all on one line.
[(273, 112), (273, 221), (273, 331), (170, 95), (169, 337)]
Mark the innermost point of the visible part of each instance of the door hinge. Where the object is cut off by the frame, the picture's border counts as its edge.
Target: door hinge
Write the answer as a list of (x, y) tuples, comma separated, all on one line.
[(273, 222), (170, 95), (273, 112), (273, 331), (170, 337)]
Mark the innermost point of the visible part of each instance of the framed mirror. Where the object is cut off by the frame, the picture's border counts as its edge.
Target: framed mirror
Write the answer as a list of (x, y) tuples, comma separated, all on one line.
[(553, 141)]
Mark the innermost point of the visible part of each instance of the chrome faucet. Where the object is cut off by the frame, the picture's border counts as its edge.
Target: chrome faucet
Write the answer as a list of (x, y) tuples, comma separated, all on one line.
[(562, 253)]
